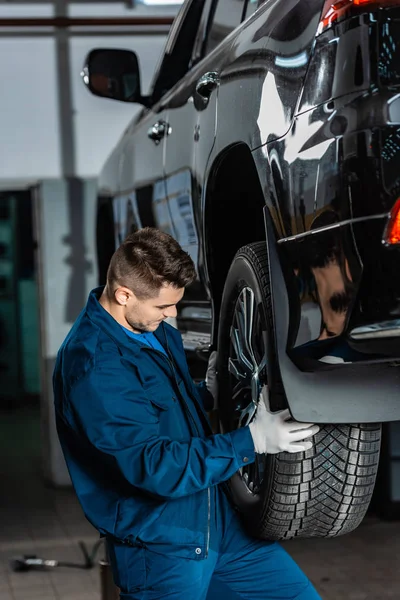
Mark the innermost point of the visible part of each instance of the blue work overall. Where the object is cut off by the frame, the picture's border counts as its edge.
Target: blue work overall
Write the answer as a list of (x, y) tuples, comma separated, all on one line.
[(237, 566), (150, 474)]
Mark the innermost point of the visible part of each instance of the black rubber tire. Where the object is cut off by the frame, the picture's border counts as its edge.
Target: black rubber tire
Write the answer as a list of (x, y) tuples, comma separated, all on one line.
[(323, 492)]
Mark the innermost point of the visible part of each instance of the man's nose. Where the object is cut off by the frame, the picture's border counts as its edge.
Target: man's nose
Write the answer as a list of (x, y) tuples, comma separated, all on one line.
[(170, 312)]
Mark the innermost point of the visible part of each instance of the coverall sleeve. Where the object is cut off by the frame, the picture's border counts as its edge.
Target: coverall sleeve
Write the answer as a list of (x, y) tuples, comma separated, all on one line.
[(206, 398), (117, 418)]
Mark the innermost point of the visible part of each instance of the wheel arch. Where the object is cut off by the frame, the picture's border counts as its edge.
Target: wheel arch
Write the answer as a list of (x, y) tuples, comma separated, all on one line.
[(230, 216)]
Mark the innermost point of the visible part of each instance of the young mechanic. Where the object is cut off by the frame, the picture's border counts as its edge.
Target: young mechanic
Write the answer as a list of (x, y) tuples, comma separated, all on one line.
[(145, 465)]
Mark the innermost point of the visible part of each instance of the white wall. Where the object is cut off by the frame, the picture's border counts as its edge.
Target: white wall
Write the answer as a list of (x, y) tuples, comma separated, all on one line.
[(99, 122), (30, 99), (31, 9), (28, 109), (66, 273), (119, 9)]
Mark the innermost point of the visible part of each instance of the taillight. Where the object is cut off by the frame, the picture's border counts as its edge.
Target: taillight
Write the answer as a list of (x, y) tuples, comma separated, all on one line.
[(336, 11), (392, 232)]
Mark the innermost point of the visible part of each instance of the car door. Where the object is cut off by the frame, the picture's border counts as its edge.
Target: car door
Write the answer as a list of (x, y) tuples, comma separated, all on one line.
[(183, 105), (192, 117), (142, 199), (141, 196)]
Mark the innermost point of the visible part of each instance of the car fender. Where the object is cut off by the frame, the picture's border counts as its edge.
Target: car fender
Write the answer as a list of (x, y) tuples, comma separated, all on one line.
[(346, 393)]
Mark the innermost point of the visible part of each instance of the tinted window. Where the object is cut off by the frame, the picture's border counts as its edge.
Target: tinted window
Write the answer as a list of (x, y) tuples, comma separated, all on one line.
[(227, 16), (251, 7), (177, 62), (200, 42)]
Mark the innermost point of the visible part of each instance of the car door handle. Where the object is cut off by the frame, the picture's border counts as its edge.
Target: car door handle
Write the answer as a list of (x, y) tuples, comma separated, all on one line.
[(158, 131), (206, 84)]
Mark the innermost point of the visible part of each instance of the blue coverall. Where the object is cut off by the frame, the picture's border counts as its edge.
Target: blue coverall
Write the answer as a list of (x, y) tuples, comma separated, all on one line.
[(150, 475)]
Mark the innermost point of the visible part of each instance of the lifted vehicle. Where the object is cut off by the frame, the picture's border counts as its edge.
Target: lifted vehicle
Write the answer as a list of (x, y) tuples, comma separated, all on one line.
[(269, 147)]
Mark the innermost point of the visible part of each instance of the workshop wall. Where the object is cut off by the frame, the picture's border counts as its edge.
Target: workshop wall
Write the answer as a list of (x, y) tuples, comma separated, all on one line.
[(55, 138)]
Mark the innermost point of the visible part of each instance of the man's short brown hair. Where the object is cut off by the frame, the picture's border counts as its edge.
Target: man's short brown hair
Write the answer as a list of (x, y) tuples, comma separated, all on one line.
[(147, 260)]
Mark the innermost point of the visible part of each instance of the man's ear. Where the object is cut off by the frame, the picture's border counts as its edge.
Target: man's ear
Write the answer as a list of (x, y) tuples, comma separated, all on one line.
[(122, 295)]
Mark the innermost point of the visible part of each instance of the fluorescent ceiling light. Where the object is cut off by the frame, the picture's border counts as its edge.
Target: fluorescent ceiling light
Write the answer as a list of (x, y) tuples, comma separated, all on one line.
[(161, 2)]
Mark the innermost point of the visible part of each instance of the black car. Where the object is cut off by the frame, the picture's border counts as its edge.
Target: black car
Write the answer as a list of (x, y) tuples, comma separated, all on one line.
[(269, 146)]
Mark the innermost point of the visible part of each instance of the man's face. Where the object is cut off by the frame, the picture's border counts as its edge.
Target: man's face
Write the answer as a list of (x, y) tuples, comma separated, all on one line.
[(146, 315)]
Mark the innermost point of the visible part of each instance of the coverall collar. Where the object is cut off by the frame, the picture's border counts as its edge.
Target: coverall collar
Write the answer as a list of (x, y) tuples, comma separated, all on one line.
[(100, 317)]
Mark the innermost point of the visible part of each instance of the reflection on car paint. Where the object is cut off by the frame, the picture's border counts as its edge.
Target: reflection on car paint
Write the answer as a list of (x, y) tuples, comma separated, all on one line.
[(180, 205), (326, 275), (383, 329), (162, 216), (389, 53), (126, 216)]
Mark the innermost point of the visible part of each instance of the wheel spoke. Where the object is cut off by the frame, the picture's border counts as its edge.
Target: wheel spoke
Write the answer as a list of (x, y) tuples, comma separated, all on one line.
[(235, 338), (261, 366), (256, 383), (249, 316), (247, 414), (237, 390), (233, 368), (241, 323)]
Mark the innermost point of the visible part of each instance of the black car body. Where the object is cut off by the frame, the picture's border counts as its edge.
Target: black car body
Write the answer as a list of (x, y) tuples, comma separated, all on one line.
[(275, 126)]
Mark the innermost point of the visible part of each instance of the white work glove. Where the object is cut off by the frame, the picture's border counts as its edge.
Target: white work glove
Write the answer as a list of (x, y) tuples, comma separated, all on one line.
[(277, 432), (211, 377)]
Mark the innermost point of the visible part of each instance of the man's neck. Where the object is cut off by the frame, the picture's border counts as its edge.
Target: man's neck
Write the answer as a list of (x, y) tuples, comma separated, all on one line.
[(115, 311)]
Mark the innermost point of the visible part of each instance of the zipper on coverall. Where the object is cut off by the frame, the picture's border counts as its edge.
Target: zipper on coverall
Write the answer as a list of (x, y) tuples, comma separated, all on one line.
[(149, 349)]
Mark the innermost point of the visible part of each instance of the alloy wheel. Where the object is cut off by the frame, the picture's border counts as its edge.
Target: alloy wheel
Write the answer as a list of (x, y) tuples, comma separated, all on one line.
[(247, 366)]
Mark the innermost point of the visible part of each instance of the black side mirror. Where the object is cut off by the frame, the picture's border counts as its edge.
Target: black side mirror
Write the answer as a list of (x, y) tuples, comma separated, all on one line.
[(114, 74)]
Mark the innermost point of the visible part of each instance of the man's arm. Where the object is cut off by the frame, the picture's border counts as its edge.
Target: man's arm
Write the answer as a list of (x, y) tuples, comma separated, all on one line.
[(117, 418), (206, 397)]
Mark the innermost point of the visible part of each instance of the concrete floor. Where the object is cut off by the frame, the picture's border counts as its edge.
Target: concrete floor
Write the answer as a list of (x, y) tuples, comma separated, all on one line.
[(38, 520)]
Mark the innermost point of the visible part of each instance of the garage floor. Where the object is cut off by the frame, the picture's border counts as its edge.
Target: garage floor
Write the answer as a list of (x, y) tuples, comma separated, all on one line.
[(38, 520)]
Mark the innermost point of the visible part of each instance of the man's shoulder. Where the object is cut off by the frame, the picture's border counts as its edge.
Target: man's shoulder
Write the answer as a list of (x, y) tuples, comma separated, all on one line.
[(85, 347)]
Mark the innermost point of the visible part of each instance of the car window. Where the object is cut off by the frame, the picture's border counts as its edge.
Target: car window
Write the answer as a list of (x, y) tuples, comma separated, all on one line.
[(227, 15), (176, 60), (199, 45)]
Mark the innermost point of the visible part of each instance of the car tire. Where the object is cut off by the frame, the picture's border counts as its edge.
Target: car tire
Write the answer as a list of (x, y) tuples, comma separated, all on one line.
[(323, 492)]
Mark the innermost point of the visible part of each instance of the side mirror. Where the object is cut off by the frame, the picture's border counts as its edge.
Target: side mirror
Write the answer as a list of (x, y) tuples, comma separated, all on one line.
[(114, 74)]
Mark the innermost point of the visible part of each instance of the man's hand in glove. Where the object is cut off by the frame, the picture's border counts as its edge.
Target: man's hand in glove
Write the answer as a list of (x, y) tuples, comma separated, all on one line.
[(211, 377), (277, 432)]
